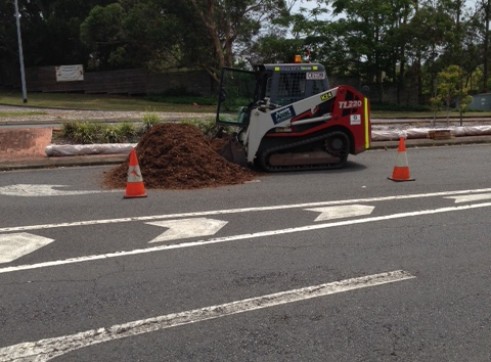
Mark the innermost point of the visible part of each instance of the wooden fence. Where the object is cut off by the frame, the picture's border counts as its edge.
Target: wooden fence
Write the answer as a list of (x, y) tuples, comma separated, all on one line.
[(127, 81), (141, 81)]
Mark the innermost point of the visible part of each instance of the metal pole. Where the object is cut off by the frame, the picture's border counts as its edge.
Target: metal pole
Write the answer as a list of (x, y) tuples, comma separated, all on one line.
[(21, 53)]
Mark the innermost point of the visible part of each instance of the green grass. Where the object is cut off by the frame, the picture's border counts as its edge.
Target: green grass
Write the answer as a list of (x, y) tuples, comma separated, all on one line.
[(166, 104), (99, 102), (22, 114)]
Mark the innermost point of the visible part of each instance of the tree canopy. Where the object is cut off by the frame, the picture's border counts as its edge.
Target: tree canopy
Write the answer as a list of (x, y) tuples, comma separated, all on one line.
[(404, 43)]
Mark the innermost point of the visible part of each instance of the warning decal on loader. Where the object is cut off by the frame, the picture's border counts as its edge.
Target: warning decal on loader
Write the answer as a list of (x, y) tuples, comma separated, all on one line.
[(326, 96), (355, 119)]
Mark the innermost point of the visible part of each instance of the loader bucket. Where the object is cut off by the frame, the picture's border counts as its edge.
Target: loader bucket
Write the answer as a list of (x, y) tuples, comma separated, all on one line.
[(233, 151)]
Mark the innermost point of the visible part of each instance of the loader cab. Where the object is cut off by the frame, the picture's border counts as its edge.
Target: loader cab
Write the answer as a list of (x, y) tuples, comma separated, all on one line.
[(282, 84), (287, 83)]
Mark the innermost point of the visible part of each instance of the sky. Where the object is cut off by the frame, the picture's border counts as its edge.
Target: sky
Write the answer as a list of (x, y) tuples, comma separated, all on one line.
[(312, 4)]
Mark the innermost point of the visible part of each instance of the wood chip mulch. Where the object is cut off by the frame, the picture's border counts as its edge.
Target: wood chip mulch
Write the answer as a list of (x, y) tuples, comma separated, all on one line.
[(180, 156)]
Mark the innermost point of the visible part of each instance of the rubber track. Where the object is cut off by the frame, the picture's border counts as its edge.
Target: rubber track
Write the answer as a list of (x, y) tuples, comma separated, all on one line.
[(264, 156)]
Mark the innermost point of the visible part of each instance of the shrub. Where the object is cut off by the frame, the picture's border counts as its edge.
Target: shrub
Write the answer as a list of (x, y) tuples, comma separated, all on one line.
[(86, 133), (127, 131), (150, 120), (110, 135), (69, 129), (208, 126)]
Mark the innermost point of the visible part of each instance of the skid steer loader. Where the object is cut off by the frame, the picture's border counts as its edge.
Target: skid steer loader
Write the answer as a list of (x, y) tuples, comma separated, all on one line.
[(288, 118)]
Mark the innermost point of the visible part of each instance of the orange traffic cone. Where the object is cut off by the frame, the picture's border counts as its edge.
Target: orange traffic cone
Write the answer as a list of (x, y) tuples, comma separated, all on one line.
[(134, 186), (401, 169)]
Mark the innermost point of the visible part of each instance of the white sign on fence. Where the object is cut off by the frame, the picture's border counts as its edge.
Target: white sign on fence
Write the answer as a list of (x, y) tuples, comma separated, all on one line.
[(69, 73)]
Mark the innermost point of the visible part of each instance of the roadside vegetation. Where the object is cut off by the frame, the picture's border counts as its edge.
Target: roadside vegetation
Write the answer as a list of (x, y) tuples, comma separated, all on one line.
[(89, 133), (82, 132), (398, 49)]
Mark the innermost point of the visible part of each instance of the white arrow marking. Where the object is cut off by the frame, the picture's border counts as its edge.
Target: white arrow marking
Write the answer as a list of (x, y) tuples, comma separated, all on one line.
[(249, 236), (470, 198), (340, 212), (47, 349), (14, 246), (236, 211), (27, 190), (187, 228)]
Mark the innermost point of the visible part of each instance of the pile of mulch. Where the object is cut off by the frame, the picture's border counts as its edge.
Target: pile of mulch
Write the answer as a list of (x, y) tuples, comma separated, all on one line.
[(179, 156)]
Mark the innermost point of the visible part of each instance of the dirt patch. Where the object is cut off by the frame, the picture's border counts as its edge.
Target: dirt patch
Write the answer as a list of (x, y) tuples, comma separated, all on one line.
[(179, 156), (18, 144)]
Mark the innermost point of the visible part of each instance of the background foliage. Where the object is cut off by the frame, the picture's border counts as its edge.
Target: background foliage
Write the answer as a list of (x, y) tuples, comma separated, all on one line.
[(402, 43)]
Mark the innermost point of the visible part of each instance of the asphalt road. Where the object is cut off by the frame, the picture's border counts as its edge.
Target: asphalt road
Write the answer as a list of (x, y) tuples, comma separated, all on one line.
[(398, 271)]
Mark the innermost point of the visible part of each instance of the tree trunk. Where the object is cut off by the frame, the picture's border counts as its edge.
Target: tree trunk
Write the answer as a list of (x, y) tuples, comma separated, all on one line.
[(487, 14)]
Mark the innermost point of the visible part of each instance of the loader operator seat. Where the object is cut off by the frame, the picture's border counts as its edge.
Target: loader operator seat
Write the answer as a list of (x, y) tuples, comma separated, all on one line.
[(243, 116)]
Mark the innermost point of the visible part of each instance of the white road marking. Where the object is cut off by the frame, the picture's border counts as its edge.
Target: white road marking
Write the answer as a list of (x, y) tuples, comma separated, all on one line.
[(239, 210), (14, 246), (47, 349), (470, 198), (187, 228), (27, 190), (341, 212), (240, 237)]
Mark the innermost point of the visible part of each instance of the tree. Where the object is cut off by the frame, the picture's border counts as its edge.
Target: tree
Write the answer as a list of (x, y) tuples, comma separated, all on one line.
[(485, 11), (158, 35), (8, 39), (102, 32), (229, 23), (50, 32), (155, 34), (450, 89), (387, 42), (394, 41), (429, 31), (368, 39)]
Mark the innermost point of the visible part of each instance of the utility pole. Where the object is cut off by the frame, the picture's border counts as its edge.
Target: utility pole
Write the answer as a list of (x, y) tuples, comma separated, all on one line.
[(21, 53)]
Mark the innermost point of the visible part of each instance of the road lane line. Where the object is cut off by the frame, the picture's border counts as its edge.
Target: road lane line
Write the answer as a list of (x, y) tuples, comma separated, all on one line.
[(239, 210), (240, 237), (47, 349)]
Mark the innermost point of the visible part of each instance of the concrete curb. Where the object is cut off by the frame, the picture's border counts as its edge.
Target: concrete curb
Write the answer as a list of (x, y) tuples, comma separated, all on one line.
[(67, 161), (427, 142), (105, 159)]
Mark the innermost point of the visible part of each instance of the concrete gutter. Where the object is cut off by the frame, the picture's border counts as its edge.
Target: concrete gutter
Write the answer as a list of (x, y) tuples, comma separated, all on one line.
[(113, 159), (25, 141), (67, 161)]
